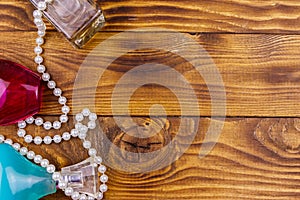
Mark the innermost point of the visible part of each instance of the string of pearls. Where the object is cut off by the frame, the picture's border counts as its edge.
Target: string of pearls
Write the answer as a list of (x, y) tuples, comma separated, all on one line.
[(46, 77), (80, 130), (62, 100)]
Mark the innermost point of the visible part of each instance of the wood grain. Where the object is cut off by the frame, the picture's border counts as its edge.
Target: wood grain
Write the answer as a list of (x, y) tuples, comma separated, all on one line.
[(268, 16), (260, 73), (239, 167), (256, 48)]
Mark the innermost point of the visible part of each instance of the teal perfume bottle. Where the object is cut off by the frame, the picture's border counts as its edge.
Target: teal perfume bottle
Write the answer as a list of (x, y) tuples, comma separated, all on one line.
[(21, 179)]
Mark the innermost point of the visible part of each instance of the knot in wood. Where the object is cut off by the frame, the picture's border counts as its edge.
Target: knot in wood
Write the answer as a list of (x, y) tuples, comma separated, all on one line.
[(147, 135), (280, 134)]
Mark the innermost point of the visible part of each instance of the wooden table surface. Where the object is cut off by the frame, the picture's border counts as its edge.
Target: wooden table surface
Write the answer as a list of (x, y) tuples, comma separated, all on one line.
[(255, 46)]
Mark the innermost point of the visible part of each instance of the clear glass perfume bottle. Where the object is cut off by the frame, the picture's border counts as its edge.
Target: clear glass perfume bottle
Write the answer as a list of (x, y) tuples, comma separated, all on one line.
[(78, 20), (82, 177)]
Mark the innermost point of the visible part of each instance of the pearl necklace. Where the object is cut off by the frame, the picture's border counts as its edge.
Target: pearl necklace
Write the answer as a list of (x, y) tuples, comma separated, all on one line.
[(80, 130), (56, 176)]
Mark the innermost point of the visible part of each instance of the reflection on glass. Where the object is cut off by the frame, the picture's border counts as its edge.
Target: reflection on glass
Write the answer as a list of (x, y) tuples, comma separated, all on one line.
[(78, 20)]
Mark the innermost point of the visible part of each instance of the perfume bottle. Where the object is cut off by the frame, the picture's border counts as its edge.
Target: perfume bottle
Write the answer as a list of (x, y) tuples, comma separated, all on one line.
[(22, 179), (82, 177), (78, 20)]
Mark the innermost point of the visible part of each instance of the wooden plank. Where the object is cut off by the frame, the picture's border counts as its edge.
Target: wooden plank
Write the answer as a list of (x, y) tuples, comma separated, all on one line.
[(248, 162), (260, 73), (238, 16), (254, 158)]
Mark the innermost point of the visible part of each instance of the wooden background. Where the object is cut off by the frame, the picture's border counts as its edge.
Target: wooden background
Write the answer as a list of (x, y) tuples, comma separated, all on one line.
[(256, 47)]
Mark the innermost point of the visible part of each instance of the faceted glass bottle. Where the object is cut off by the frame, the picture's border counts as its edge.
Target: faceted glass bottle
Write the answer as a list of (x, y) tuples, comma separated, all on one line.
[(78, 20), (20, 92), (82, 177)]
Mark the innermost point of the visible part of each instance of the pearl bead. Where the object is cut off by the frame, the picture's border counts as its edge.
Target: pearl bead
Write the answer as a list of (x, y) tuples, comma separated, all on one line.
[(57, 139), (66, 136), (42, 5), (74, 133), (38, 21), (28, 138), (38, 159), (92, 152), (78, 126), (41, 68), (21, 132), (92, 124), (47, 140), (30, 155), (30, 120), (83, 129), (38, 59), (23, 151), (37, 14), (39, 121), (75, 196), (47, 125), (86, 112), (83, 197), (41, 27), (93, 116), (62, 100), (63, 118), (90, 198), (39, 41), (104, 178), (16, 146), (62, 184), (41, 33), (87, 144), (57, 92), (82, 136), (99, 196), (46, 77), (68, 191), (65, 109), (38, 50), (56, 125), (103, 188), (2, 138), (98, 160), (79, 117), (21, 124), (56, 176), (38, 140), (102, 169), (44, 163), (51, 84), (8, 141), (50, 168)]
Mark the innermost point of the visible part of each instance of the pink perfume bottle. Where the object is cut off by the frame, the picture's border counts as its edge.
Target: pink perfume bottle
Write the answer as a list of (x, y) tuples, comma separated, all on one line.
[(78, 20)]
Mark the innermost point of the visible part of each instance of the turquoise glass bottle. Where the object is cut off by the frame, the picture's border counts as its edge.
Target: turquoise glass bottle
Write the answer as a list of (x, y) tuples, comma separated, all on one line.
[(20, 178)]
